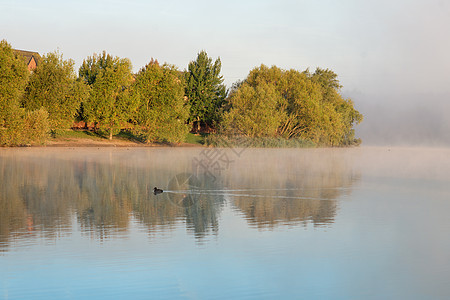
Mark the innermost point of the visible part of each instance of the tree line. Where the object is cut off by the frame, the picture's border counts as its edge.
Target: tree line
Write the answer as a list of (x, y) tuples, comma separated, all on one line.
[(160, 103)]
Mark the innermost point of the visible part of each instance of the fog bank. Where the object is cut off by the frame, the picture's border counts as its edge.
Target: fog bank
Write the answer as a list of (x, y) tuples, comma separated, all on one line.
[(404, 120)]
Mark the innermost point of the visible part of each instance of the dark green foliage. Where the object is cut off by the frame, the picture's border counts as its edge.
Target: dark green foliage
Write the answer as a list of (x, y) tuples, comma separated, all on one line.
[(205, 90), (163, 109)]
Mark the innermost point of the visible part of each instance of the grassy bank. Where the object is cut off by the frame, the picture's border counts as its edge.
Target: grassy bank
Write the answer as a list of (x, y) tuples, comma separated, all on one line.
[(83, 138), (75, 138), (196, 139), (257, 142)]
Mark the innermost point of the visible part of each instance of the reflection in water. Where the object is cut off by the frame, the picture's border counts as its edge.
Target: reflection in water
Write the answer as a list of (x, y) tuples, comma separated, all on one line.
[(43, 192), (291, 186), (288, 223)]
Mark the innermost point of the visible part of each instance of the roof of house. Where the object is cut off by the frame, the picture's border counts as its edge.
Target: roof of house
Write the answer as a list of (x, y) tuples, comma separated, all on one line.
[(28, 55)]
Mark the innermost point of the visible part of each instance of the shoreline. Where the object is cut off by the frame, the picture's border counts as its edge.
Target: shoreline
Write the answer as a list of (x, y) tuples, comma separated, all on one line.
[(115, 143)]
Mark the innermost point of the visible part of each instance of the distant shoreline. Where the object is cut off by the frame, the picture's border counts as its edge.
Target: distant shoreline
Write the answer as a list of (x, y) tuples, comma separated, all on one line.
[(88, 139), (83, 143), (83, 138)]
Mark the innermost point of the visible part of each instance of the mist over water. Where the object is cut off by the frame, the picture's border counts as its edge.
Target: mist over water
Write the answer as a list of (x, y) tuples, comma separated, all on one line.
[(404, 120), (368, 222), (104, 190)]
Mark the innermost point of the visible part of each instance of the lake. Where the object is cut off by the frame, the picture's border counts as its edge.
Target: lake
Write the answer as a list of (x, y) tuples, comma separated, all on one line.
[(357, 223)]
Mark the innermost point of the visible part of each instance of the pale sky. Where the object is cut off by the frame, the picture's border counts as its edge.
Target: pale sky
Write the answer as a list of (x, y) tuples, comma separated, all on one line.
[(385, 52)]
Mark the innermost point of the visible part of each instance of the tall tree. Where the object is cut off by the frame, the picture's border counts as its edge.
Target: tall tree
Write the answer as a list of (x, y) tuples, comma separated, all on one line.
[(205, 90), (17, 126), (13, 79), (111, 104), (94, 65), (163, 109), (54, 86)]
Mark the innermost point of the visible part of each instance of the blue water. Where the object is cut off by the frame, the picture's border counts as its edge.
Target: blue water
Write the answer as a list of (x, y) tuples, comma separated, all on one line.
[(364, 223)]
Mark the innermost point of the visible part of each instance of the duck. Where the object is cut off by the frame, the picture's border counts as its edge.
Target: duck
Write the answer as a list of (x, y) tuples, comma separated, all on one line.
[(157, 191)]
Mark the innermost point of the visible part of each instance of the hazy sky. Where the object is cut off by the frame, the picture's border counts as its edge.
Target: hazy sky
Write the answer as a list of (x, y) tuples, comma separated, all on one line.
[(387, 53)]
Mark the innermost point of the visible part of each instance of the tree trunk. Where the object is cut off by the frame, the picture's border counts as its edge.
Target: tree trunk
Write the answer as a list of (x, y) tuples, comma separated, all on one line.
[(198, 125), (110, 134)]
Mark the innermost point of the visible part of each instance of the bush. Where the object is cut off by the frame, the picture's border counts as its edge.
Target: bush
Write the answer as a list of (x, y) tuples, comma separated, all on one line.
[(36, 126), (11, 133), (24, 128)]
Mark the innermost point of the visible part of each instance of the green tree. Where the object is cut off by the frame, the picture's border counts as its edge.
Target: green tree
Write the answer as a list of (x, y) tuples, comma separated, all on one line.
[(17, 126), (205, 91), (309, 106), (348, 116), (110, 104), (254, 111), (300, 100), (163, 108), (13, 79), (94, 65), (54, 86)]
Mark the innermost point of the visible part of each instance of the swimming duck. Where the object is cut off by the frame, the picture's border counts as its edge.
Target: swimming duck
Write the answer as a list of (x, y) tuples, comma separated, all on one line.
[(157, 191)]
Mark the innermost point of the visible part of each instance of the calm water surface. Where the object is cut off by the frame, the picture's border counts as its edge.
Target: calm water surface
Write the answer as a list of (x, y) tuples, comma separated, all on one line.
[(363, 223)]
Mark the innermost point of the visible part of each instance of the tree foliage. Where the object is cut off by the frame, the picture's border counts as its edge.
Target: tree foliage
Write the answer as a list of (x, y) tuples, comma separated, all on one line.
[(96, 65), (54, 86), (254, 112), (205, 90), (163, 110), (111, 103), (161, 103), (13, 79), (308, 106), (17, 126)]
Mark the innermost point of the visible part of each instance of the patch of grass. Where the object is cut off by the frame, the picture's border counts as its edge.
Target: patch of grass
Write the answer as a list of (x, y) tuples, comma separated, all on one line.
[(86, 134), (75, 134), (259, 142), (198, 139), (130, 136)]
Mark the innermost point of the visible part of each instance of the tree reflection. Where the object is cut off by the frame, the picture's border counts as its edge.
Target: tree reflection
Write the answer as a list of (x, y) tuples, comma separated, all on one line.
[(290, 188), (202, 216), (33, 198), (42, 194)]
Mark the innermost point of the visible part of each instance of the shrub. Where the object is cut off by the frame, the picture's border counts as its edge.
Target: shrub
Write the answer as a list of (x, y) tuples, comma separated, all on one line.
[(36, 126), (25, 128)]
